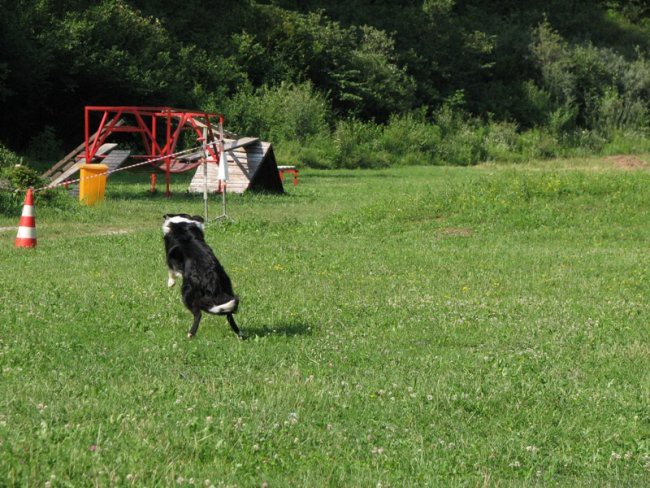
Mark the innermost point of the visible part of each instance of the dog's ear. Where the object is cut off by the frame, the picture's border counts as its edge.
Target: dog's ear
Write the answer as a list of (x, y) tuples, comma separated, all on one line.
[(198, 218), (167, 216)]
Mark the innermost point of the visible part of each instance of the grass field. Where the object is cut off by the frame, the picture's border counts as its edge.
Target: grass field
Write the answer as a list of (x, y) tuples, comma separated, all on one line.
[(483, 326)]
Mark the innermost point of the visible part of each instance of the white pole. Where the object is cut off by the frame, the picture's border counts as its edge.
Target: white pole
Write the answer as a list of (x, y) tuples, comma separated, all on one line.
[(223, 161), (205, 174)]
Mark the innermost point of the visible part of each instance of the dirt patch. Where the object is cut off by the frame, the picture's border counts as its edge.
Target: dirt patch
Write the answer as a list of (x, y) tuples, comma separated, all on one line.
[(627, 162), (457, 231)]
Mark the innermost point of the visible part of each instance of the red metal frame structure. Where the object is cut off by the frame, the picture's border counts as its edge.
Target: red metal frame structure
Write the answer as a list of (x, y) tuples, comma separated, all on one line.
[(148, 121)]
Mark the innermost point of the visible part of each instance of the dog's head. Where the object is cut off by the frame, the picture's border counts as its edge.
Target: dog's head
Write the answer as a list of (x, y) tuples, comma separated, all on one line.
[(173, 221)]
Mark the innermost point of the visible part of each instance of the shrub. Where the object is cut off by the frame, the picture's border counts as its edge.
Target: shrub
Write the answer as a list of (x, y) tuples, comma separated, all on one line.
[(287, 112), (357, 145), (22, 177), (410, 139), (539, 143), (502, 142), (18, 178), (45, 146), (8, 158)]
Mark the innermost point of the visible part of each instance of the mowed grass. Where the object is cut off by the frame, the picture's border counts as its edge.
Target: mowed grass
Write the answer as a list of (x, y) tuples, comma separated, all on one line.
[(482, 326)]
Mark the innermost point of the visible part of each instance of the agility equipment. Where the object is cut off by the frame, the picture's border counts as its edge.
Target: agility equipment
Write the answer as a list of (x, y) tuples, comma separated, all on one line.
[(291, 170), (27, 225), (159, 131), (251, 167)]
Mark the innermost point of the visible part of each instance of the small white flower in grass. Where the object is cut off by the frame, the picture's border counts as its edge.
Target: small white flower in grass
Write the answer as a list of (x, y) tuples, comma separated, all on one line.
[(256, 447), (41, 406), (616, 456), (129, 477), (293, 418), (377, 450), (180, 480), (515, 464), (191, 481), (429, 397), (207, 483), (532, 449), (208, 419), (48, 484)]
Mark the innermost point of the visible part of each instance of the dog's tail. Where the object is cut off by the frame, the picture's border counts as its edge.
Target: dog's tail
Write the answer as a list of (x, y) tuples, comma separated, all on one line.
[(225, 304)]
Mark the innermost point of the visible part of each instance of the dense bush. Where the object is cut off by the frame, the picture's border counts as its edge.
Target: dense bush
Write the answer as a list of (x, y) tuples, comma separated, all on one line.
[(8, 158), (287, 112)]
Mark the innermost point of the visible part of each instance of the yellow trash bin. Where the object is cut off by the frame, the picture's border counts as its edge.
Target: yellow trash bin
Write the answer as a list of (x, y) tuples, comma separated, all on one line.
[(91, 186)]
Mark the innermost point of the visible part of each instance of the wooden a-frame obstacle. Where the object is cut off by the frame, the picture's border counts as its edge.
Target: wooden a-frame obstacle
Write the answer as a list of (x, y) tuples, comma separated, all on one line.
[(251, 162)]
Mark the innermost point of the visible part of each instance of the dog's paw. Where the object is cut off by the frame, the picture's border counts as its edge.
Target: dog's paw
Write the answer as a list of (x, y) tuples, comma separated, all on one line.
[(171, 282), (190, 335)]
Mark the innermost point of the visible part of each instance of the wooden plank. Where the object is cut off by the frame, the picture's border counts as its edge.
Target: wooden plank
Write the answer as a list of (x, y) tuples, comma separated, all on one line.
[(72, 154), (215, 128), (243, 142), (116, 158), (243, 161), (66, 174)]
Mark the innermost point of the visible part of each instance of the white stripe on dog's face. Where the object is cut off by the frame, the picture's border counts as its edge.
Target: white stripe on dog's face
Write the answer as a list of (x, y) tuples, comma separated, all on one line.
[(177, 219)]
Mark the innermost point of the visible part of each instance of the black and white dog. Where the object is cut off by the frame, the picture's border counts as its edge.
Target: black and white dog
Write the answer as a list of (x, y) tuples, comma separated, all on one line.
[(206, 286)]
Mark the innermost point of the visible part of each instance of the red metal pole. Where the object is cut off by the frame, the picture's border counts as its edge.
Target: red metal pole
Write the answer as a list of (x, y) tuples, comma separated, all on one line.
[(169, 150), (86, 134)]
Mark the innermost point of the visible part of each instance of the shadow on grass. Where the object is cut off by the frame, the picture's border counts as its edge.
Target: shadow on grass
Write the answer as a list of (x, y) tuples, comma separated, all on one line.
[(291, 329), (141, 193)]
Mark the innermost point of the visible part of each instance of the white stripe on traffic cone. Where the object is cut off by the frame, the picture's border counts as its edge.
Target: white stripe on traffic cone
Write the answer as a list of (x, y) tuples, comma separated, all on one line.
[(27, 225)]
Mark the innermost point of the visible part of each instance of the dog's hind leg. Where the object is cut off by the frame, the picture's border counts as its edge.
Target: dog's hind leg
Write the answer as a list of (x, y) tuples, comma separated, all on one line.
[(171, 281), (233, 325), (195, 325)]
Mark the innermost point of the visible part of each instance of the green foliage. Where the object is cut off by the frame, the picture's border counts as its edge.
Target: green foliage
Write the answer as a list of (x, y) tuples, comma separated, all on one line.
[(287, 112), (45, 146), (16, 179), (569, 76), (357, 145), (8, 158), (591, 87), (356, 66), (22, 177)]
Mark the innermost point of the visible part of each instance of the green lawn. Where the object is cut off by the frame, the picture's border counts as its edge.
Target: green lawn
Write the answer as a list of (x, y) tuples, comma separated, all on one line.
[(483, 326)]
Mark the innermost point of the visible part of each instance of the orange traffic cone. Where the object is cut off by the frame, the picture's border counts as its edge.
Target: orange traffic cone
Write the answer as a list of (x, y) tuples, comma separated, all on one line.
[(27, 225)]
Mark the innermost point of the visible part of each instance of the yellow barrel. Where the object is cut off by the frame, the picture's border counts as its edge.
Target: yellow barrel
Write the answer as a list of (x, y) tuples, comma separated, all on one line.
[(91, 186)]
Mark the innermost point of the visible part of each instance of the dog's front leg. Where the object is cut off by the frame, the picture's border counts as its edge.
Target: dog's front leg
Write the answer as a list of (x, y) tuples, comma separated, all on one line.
[(195, 325), (170, 281), (233, 325)]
